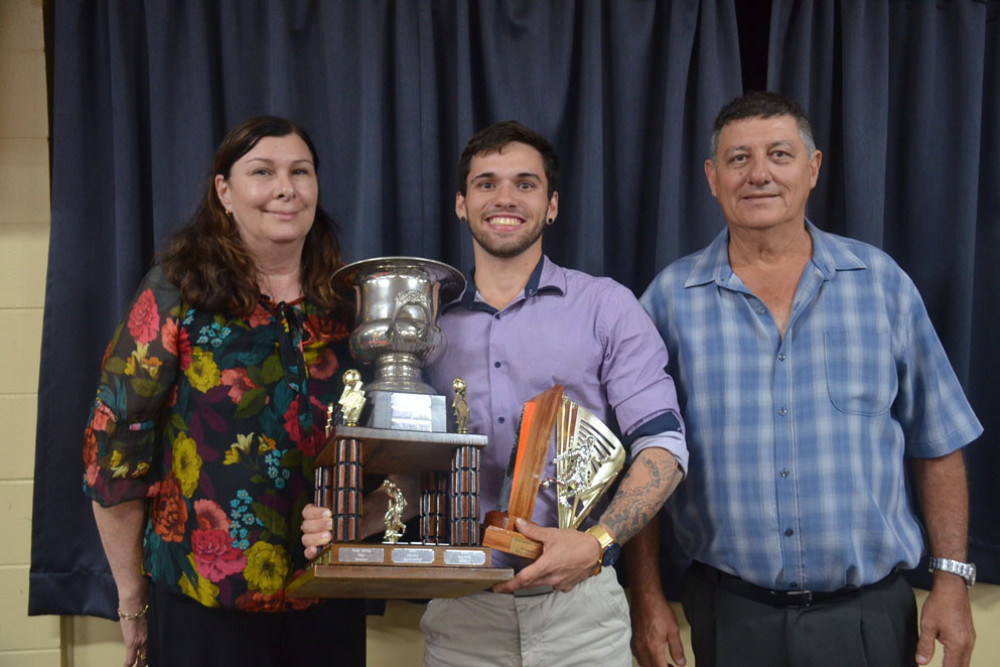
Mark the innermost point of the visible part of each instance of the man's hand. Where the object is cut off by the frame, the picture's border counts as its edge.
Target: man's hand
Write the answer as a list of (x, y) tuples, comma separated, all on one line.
[(317, 522), (653, 625), (568, 557), (653, 620), (947, 617)]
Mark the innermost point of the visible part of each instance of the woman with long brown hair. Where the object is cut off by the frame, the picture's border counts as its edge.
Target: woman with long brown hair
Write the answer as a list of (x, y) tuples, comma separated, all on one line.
[(209, 413)]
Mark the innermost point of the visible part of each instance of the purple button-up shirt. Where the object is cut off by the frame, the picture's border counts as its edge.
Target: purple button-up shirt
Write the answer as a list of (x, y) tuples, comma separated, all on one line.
[(590, 335)]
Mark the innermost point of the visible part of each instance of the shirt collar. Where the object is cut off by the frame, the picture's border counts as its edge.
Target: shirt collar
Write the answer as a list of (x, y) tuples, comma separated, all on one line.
[(545, 277), (830, 254)]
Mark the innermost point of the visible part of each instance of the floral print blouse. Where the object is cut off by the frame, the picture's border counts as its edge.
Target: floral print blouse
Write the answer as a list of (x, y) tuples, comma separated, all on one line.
[(216, 421)]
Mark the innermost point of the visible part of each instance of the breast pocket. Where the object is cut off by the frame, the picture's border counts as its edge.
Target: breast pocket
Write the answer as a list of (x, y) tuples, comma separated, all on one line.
[(860, 373)]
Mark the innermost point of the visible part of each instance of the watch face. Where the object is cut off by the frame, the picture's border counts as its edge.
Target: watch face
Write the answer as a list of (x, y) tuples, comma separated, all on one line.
[(611, 554)]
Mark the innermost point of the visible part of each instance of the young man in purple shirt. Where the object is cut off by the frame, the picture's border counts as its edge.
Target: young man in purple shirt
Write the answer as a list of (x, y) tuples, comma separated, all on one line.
[(523, 326)]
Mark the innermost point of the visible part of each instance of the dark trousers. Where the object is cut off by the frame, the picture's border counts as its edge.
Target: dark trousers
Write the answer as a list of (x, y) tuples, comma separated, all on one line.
[(875, 626), (183, 633)]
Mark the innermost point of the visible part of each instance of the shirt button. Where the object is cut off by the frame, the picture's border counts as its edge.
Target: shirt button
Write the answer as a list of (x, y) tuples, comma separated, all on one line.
[(781, 357), (789, 532), (761, 309), (496, 364), (782, 412), (500, 419), (496, 316), (784, 472)]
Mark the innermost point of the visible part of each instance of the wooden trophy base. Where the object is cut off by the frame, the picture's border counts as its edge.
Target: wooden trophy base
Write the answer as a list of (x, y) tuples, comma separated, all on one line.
[(398, 571), (499, 533), (448, 465)]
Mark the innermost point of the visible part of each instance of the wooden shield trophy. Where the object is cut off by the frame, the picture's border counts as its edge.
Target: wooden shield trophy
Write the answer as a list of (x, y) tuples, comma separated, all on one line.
[(588, 458)]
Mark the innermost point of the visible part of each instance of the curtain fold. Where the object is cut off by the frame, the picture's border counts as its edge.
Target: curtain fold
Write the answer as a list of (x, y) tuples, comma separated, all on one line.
[(390, 92), (905, 105)]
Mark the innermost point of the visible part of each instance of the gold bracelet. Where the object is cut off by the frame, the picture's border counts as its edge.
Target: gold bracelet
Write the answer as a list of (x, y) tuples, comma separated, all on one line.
[(133, 617)]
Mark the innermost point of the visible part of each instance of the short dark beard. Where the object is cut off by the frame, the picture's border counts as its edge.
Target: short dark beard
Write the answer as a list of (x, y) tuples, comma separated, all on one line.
[(507, 253)]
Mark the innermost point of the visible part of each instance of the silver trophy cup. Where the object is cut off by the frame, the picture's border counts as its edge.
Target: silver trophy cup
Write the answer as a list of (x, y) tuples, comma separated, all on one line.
[(396, 334)]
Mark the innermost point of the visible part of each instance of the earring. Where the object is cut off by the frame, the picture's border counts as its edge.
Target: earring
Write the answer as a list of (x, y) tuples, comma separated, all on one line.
[(462, 218), (550, 221)]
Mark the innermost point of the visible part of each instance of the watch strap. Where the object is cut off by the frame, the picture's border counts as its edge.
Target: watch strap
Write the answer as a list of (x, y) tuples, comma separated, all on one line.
[(603, 538), (965, 570)]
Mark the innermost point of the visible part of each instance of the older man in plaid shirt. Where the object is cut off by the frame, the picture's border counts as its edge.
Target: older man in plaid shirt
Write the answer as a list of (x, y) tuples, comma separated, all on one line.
[(808, 373)]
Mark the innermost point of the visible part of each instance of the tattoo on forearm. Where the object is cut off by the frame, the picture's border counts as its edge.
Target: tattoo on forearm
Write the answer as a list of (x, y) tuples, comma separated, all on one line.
[(648, 482)]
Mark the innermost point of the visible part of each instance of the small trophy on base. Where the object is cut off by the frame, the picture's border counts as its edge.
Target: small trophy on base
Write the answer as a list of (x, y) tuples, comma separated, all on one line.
[(394, 526), (588, 457)]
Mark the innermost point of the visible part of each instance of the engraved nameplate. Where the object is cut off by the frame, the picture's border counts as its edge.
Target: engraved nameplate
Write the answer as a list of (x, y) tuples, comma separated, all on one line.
[(464, 557), (411, 556), (361, 555), (409, 412)]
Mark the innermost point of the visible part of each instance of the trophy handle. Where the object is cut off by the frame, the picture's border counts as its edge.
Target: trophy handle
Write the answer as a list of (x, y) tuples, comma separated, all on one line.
[(409, 298)]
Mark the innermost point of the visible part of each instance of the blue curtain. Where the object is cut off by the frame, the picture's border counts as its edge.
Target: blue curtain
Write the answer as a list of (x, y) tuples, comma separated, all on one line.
[(905, 102), (142, 91)]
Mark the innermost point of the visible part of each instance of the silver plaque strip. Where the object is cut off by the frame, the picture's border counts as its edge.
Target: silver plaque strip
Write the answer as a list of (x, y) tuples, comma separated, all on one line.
[(409, 412), (361, 555), (464, 557), (411, 556)]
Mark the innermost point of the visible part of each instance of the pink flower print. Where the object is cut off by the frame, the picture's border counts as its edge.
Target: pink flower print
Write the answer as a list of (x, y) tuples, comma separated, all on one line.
[(144, 320), (214, 555)]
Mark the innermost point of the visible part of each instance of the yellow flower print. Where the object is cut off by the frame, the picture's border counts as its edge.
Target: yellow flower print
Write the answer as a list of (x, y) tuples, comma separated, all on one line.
[(204, 590), (130, 366), (266, 444), (238, 448), (187, 463), (120, 469), (311, 354), (203, 373), (267, 567), (152, 366)]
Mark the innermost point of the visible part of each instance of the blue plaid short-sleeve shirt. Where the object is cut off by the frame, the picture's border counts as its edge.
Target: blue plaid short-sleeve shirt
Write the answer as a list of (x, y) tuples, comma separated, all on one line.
[(796, 477)]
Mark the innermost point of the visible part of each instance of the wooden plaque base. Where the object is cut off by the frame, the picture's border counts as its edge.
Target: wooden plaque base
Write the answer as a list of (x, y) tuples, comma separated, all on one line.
[(511, 542), (398, 571), (430, 568), (499, 533)]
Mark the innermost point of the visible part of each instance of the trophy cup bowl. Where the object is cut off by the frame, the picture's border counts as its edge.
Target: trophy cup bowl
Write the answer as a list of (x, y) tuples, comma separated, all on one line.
[(396, 333)]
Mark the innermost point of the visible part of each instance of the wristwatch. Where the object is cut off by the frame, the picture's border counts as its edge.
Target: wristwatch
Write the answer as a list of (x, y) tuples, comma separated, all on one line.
[(610, 550), (965, 570)]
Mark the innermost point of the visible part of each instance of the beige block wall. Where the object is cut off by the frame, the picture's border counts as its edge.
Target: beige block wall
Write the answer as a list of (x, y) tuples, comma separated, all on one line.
[(50, 641), (24, 230)]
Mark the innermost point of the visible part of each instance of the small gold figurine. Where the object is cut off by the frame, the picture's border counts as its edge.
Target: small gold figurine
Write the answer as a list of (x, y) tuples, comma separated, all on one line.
[(352, 400), (394, 526), (330, 410), (461, 406)]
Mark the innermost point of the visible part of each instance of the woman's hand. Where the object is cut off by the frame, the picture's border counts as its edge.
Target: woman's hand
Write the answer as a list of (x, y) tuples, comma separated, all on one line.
[(135, 633), (121, 528)]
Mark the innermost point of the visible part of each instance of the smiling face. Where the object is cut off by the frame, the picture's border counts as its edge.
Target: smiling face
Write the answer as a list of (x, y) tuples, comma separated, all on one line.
[(271, 193), (763, 173), (506, 201)]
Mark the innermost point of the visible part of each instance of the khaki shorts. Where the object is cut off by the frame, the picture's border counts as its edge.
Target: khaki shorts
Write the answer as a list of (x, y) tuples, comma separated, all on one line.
[(587, 626)]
